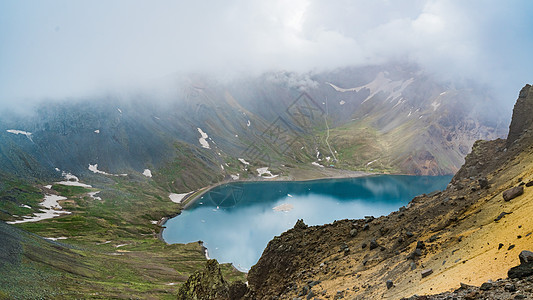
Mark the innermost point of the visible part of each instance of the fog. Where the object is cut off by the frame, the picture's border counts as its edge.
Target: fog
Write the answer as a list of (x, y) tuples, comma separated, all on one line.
[(57, 49)]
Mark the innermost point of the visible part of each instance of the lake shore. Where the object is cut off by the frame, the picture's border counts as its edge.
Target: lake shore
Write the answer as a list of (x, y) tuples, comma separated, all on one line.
[(271, 207), (298, 175)]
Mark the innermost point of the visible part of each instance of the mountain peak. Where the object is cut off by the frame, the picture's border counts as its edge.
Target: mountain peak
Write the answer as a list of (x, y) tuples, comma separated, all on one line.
[(522, 111)]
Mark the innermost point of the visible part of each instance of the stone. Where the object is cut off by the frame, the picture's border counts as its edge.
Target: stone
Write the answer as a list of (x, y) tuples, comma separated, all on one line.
[(525, 257), (373, 244), (512, 193), (486, 286), (420, 245), (409, 234), (500, 216), (510, 287), (529, 184), (417, 252), (389, 284), (300, 224), (483, 183), (426, 272), (521, 271), (353, 232)]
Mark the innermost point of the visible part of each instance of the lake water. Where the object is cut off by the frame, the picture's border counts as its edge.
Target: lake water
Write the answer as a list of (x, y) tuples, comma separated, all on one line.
[(237, 220)]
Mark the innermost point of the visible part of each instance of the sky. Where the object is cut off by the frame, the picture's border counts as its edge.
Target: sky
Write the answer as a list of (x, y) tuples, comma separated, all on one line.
[(64, 48)]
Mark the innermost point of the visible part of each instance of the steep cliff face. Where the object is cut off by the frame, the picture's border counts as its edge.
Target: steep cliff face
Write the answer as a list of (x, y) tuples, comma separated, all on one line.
[(466, 234), (522, 120)]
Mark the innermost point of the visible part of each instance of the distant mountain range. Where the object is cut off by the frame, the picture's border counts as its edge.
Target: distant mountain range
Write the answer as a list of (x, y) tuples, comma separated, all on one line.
[(392, 118)]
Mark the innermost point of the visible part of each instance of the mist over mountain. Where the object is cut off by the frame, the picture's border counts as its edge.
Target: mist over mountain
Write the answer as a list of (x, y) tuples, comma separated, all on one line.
[(394, 118)]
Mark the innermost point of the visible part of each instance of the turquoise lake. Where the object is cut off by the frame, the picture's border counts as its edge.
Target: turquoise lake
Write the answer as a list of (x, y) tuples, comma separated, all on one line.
[(237, 220)]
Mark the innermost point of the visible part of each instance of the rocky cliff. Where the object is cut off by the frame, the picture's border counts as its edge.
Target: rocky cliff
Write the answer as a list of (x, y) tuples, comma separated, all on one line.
[(468, 233)]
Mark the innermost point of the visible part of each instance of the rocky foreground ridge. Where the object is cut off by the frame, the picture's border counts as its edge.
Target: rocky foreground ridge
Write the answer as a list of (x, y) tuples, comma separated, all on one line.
[(469, 235)]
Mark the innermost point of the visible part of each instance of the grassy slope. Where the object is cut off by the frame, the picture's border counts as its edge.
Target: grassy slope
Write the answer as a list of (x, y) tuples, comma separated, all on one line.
[(143, 267)]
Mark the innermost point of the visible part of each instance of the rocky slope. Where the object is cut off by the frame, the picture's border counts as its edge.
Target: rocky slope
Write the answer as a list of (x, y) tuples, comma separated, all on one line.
[(466, 234)]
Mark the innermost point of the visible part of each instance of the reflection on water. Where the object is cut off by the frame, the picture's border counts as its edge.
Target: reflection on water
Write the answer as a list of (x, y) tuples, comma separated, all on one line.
[(237, 220)]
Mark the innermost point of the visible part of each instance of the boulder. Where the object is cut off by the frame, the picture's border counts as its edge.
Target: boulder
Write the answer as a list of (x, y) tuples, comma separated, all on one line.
[(513, 193), (521, 271), (389, 284), (300, 225), (426, 272), (500, 216), (525, 257), (373, 244)]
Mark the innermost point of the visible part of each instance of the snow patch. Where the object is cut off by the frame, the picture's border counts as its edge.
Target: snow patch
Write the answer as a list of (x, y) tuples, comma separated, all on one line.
[(25, 206), (380, 84), (93, 195), (202, 140), (435, 105), (244, 161), (74, 183), (147, 173), (342, 102), (368, 164), (177, 198), (154, 222), (57, 238), (48, 186), (119, 110), (265, 170), (94, 169), (248, 123), (97, 131), (71, 180), (51, 209), (317, 164), (27, 134), (235, 177), (14, 131)]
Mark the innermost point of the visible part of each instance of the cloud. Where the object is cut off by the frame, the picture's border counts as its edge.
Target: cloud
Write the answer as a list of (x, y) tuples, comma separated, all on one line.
[(62, 48)]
